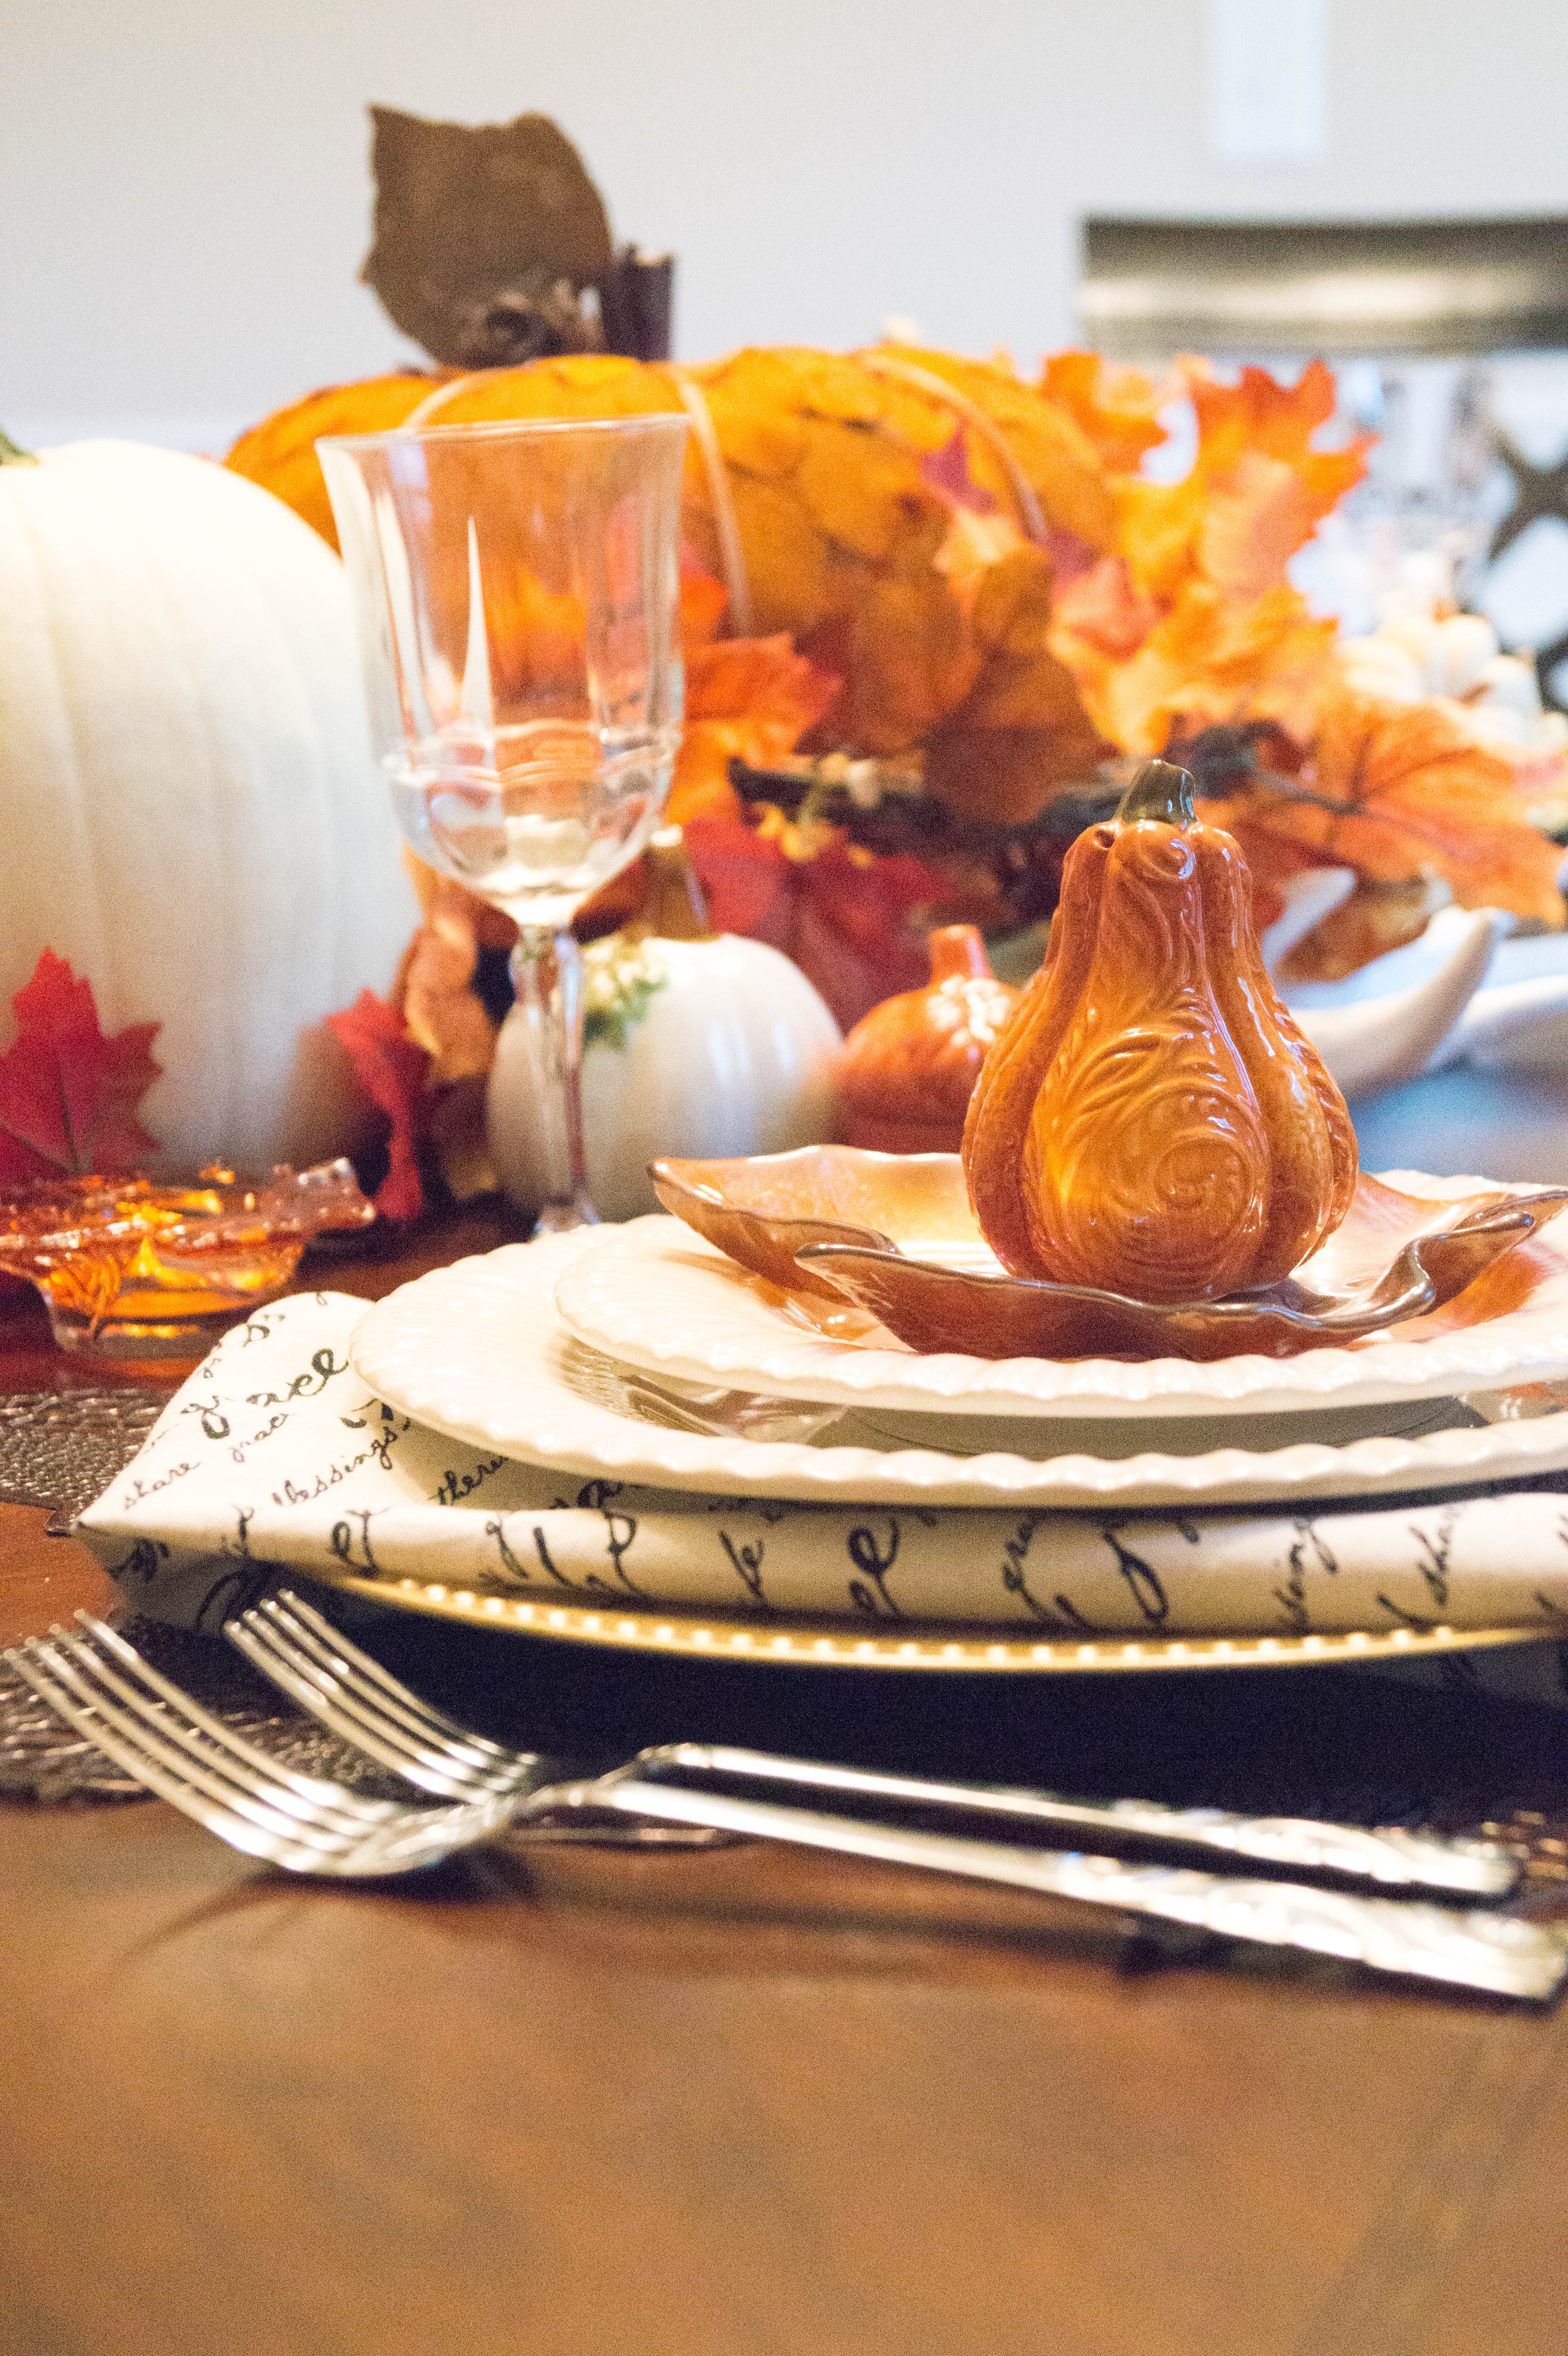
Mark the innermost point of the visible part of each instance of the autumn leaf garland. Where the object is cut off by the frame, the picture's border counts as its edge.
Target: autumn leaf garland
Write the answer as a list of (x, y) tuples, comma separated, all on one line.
[(968, 573)]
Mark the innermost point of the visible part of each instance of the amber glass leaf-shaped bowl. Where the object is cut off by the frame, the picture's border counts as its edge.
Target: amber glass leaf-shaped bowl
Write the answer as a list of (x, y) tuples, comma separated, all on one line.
[(894, 1234), (155, 1266), (764, 1208)]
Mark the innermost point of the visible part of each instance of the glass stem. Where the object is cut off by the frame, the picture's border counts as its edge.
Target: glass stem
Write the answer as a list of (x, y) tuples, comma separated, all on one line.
[(547, 973)]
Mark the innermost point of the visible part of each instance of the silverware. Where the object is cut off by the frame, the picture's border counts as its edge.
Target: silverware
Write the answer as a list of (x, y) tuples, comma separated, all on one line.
[(328, 1675), (102, 1685), (65, 1685)]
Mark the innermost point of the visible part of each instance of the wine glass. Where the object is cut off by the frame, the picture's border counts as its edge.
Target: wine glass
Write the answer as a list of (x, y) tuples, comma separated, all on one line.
[(517, 596)]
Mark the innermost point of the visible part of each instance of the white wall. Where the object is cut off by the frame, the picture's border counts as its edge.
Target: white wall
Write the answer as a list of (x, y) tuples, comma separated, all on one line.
[(185, 191)]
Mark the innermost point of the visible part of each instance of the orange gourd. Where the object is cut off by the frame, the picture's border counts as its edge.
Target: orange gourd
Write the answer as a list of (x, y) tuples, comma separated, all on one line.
[(909, 1067), (1151, 1122)]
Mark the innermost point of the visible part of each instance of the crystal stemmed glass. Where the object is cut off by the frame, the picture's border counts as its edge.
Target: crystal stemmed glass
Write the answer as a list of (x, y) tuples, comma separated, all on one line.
[(516, 593)]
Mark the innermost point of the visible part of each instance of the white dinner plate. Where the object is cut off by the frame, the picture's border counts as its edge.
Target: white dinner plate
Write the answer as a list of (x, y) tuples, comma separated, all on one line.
[(480, 1351), (657, 1296)]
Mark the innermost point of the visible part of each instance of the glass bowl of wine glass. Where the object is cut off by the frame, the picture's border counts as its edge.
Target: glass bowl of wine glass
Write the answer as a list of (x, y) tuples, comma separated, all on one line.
[(516, 589)]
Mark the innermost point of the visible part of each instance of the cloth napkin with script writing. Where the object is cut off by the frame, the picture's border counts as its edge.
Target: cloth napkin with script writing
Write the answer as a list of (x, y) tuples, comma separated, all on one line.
[(275, 1452)]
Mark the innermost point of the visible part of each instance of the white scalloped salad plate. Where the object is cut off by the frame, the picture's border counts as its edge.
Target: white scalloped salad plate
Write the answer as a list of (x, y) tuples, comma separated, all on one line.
[(657, 1296), (480, 1351)]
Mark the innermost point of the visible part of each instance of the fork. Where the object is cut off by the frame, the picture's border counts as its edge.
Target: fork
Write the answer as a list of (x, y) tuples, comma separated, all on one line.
[(311, 1660), (61, 1675), (102, 1685)]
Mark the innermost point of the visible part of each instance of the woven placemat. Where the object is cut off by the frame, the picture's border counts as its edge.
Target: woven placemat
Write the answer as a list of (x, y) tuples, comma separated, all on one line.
[(59, 1449), (43, 1760)]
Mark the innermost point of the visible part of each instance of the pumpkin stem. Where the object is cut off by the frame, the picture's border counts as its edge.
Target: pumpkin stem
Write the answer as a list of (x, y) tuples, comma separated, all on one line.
[(958, 953), (1160, 792), (12, 452)]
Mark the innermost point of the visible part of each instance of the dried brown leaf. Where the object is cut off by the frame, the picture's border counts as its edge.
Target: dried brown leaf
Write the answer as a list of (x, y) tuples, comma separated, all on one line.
[(468, 215)]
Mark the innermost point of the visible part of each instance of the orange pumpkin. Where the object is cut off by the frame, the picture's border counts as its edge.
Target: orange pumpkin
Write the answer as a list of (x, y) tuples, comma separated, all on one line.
[(279, 453), (813, 491), (909, 1067)]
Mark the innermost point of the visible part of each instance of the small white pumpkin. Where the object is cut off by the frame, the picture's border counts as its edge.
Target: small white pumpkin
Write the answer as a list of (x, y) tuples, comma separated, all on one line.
[(189, 809), (695, 1048)]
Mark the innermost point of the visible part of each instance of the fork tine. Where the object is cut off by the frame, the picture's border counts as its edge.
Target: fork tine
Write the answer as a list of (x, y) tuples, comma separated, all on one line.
[(421, 1716), (333, 1670), (317, 1691), (295, 1663), (151, 1737), (234, 1748), (179, 1752), (259, 1833), (171, 1712)]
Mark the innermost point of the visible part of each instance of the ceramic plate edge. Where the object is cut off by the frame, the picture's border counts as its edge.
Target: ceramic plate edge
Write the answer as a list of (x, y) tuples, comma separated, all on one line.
[(823, 1371), (828, 1475), (805, 1643)]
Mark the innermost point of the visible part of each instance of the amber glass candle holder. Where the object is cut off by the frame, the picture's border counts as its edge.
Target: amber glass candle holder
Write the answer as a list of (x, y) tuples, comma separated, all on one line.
[(157, 1267)]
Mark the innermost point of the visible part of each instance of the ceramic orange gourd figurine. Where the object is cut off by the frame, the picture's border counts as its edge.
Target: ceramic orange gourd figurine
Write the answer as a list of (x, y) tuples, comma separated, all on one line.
[(1151, 1122), (908, 1067)]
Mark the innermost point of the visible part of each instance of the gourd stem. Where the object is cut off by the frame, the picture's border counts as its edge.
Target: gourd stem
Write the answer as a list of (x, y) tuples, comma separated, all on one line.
[(1160, 792), (12, 452), (547, 973), (958, 954)]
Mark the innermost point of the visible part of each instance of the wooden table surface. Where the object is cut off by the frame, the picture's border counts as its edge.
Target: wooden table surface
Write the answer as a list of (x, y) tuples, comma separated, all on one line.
[(741, 2102)]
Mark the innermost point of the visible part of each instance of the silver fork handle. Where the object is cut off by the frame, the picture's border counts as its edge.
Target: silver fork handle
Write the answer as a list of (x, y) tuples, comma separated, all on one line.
[(1477, 1949), (1390, 1857)]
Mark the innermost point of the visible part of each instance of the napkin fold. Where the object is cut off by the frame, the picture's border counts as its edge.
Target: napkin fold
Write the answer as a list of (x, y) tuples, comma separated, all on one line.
[(275, 1452)]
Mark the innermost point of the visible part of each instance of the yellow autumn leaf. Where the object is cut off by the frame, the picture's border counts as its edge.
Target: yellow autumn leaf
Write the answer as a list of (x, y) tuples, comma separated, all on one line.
[(1209, 663)]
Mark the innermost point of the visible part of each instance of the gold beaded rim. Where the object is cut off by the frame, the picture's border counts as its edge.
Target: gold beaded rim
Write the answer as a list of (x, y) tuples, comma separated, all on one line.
[(807, 1642)]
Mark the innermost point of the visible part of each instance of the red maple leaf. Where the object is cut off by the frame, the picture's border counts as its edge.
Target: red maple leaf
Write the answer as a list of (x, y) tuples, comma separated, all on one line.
[(67, 1095), (391, 1068), (844, 919)]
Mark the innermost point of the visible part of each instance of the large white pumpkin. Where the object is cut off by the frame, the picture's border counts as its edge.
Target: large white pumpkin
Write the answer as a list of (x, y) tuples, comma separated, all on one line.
[(189, 811)]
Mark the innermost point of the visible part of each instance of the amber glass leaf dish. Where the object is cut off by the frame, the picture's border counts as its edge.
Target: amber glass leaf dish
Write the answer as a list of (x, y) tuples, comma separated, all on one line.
[(149, 1266), (893, 1236)]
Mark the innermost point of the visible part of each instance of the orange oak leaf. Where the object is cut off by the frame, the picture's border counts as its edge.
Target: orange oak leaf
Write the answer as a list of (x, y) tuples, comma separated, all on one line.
[(1278, 420), (1267, 487), (391, 1068), (1023, 733), (1117, 407), (67, 1095), (1207, 663), (1098, 618), (979, 533), (905, 653), (1402, 791), (748, 698), (441, 1012), (1256, 491)]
